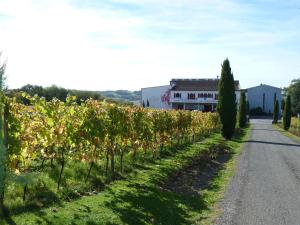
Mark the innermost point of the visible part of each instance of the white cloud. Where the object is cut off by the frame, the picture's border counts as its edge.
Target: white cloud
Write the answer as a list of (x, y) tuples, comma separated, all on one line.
[(97, 48)]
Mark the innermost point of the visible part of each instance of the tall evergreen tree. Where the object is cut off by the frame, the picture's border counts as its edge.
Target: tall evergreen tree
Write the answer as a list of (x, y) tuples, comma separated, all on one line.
[(227, 101), (243, 110), (276, 112), (287, 113), (248, 111), (148, 104), (248, 108), (282, 104), (143, 104)]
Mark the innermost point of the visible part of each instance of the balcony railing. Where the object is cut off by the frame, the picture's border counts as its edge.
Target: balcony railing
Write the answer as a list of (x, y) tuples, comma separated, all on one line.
[(196, 100)]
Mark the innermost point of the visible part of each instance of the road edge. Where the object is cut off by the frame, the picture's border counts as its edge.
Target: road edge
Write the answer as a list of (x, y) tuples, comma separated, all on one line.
[(224, 180), (286, 133)]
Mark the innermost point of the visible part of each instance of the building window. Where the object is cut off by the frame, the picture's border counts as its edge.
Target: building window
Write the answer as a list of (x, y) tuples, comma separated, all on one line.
[(216, 96), (200, 95), (209, 95), (177, 95), (205, 95), (191, 96)]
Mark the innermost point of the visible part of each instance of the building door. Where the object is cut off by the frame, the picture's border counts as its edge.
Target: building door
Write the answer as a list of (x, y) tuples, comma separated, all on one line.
[(207, 108)]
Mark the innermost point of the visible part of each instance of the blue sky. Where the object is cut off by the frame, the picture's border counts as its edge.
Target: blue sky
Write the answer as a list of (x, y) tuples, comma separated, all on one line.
[(129, 44)]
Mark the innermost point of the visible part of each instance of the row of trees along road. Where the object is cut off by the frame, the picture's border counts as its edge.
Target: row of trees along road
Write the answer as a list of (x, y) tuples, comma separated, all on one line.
[(286, 110), (291, 105)]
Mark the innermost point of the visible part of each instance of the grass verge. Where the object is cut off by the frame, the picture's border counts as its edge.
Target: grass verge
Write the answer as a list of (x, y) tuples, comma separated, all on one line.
[(140, 199), (286, 133)]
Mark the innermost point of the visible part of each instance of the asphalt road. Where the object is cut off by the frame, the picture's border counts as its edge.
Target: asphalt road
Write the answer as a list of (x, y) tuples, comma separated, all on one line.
[(266, 186)]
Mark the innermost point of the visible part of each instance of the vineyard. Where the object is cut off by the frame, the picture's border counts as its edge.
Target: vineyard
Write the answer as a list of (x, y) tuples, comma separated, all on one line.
[(64, 146), (295, 126)]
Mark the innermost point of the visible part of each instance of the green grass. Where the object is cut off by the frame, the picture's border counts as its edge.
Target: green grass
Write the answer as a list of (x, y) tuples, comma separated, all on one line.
[(139, 199), (289, 133)]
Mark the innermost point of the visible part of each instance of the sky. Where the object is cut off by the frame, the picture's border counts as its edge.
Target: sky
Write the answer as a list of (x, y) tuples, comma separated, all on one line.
[(130, 44)]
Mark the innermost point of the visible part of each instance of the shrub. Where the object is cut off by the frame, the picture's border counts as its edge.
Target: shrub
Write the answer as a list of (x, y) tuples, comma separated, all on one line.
[(287, 113), (243, 110), (276, 112)]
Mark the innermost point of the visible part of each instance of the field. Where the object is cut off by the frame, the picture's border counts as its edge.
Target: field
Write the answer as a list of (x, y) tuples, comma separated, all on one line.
[(60, 152), (145, 196)]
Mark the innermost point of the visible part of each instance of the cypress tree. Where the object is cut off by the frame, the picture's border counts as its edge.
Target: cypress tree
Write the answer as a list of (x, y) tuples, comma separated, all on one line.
[(243, 110), (276, 112), (227, 101), (248, 111), (248, 108), (282, 105), (287, 113), (143, 104), (148, 104)]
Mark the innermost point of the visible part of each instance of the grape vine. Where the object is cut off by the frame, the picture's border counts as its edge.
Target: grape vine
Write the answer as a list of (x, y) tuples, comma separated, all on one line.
[(94, 131)]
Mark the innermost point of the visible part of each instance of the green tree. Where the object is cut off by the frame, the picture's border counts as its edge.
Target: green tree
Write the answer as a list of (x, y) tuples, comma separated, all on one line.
[(143, 104), (294, 91), (282, 104), (248, 108), (287, 113), (276, 112), (55, 92), (227, 101), (148, 104), (243, 110), (3, 151)]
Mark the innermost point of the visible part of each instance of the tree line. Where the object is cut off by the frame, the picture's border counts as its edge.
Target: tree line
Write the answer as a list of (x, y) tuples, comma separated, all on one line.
[(52, 92)]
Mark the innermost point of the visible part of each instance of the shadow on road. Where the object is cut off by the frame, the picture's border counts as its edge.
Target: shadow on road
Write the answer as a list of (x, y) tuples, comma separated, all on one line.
[(264, 129), (272, 143)]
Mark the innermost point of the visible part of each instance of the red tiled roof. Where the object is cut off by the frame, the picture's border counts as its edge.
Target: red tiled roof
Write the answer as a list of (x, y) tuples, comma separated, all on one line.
[(198, 84)]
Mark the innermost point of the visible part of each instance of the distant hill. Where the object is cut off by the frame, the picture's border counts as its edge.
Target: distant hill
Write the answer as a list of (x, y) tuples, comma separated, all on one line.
[(123, 95), (60, 93)]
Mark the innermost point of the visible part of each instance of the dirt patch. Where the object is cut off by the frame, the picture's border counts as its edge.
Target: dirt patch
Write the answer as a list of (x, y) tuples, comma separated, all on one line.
[(197, 176)]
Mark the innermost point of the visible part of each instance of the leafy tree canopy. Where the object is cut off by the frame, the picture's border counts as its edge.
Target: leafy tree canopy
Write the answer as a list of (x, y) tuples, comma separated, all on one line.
[(294, 91)]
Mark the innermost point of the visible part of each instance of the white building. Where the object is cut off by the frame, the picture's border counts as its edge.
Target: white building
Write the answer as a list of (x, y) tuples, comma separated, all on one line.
[(189, 94), (156, 97), (264, 96)]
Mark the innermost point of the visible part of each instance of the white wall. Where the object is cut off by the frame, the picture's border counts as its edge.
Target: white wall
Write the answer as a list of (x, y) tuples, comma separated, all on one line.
[(154, 96)]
